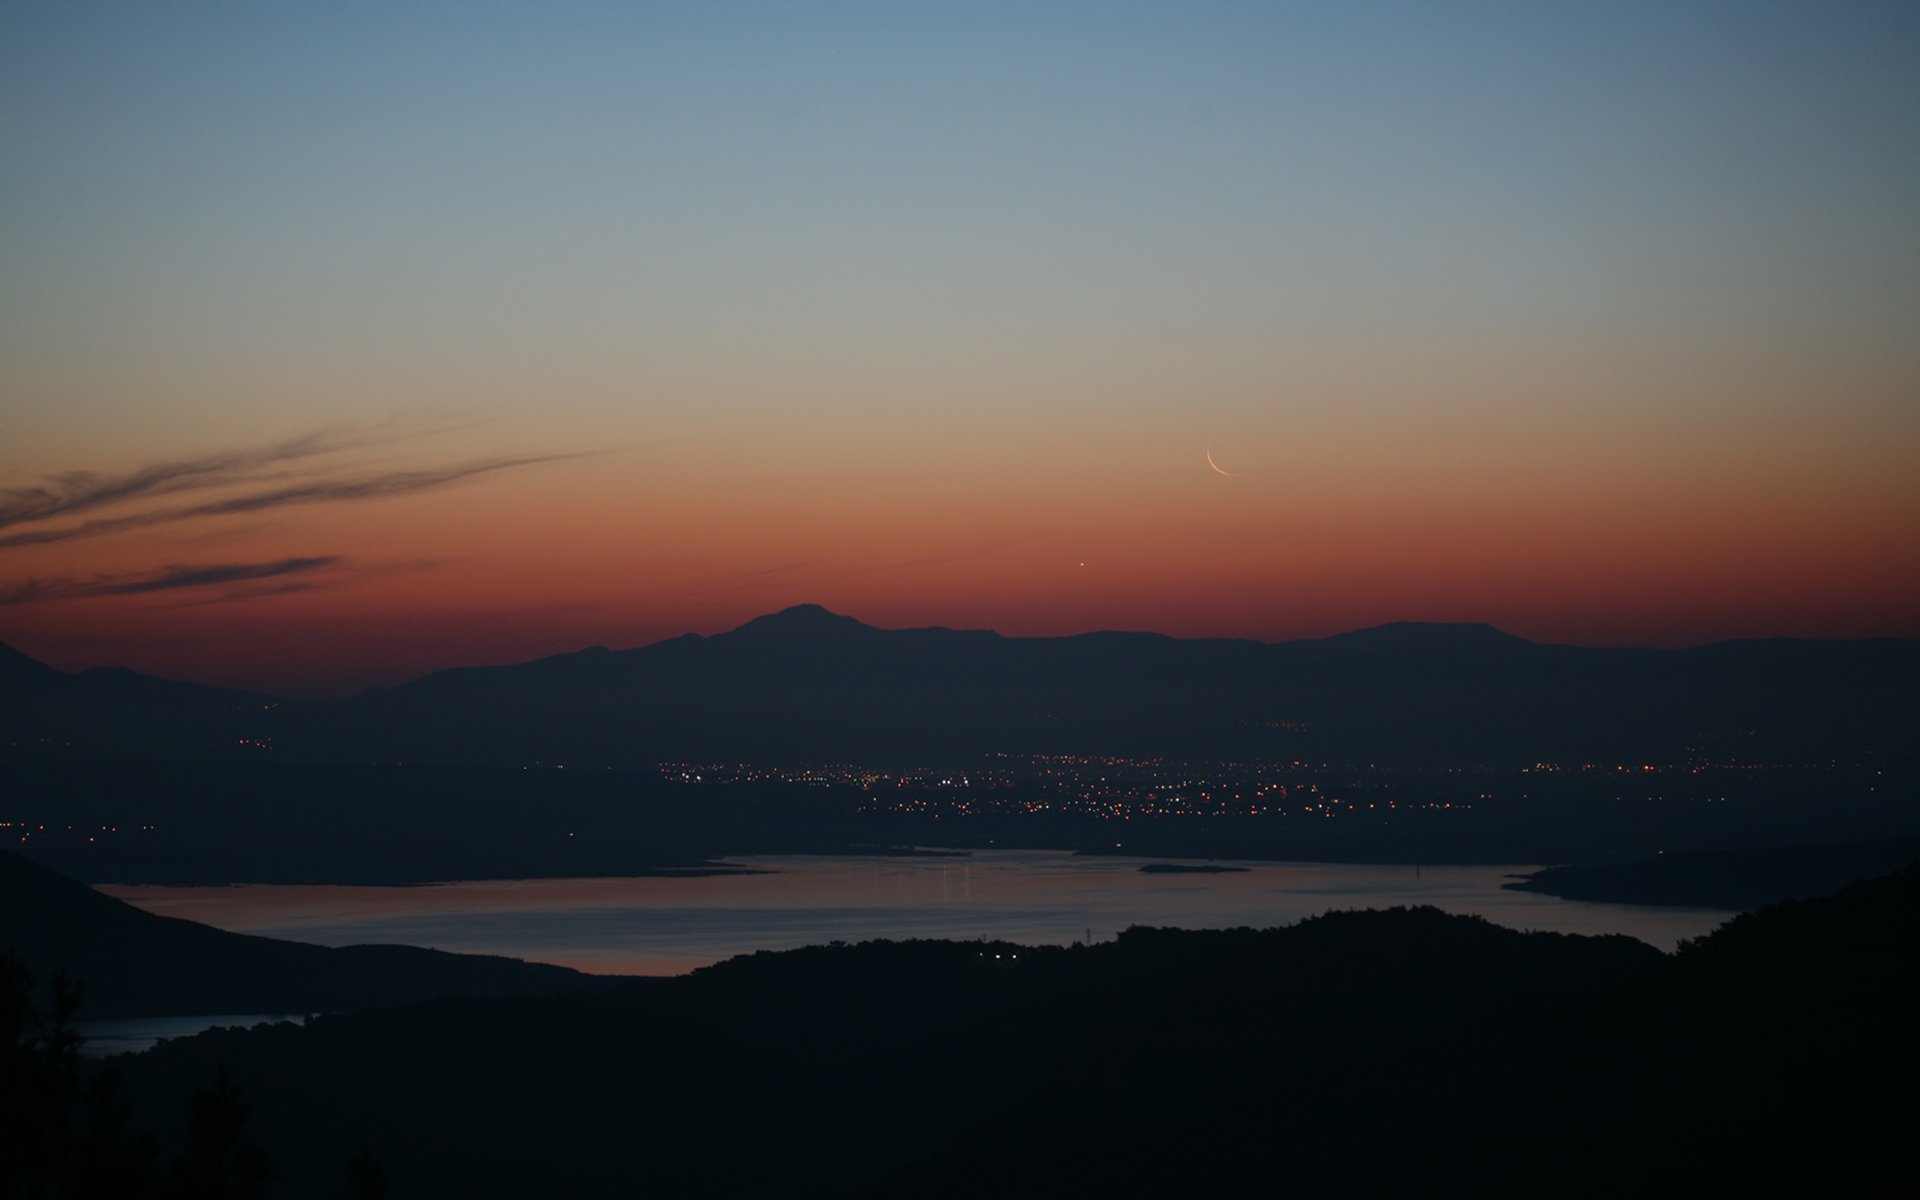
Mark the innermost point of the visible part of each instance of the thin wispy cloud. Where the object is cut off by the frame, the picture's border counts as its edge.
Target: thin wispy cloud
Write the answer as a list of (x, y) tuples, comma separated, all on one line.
[(75, 492), (347, 573), (169, 578), (316, 491), (238, 595)]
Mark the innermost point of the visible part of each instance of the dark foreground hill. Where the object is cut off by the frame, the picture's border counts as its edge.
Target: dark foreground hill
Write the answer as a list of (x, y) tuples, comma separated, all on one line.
[(1358, 1053), (134, 963)]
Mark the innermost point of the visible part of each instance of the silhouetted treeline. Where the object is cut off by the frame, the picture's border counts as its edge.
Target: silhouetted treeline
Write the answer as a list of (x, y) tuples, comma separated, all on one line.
[(66, 1132), (1355, 1053)]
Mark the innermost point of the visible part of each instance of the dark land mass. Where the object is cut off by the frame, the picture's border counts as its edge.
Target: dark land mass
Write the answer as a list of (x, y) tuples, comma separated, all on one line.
[(212, 823), (1355, 1052), (808, 732), (134, 963), (809, 685), (266, 822), (109, 712), (1361, 1052), (1187, 869), (1736, 879)]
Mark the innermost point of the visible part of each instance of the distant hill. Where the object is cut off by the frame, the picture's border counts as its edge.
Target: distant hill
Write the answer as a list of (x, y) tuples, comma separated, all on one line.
[(808, 684), (1733, 879), (134, 963), (1359, 1052), (108, 712)]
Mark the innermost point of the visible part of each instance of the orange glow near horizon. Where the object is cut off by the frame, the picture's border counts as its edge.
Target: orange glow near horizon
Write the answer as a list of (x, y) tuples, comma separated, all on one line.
[(664, 320), (633, 547)]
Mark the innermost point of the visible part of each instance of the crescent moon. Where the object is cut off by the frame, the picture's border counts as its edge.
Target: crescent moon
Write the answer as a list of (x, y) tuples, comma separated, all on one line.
[(1213, 464)]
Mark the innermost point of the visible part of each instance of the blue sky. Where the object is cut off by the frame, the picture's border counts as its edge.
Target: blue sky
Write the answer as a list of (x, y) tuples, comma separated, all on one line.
[(1493, 271)]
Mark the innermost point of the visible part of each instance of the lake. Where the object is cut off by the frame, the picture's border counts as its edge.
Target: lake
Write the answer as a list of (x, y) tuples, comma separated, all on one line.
[(130, 1035), (670, 925)]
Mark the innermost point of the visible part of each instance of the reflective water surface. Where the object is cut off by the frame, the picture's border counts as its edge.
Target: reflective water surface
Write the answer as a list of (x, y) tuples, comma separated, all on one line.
[(669, 925), (127, 1035)]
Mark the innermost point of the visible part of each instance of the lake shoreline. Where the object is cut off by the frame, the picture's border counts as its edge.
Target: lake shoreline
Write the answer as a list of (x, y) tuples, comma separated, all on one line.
[(666, 925)]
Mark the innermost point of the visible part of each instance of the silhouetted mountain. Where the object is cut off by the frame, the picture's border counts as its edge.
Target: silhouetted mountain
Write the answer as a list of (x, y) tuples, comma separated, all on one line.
[(807, 684), (1429, 638), (133, 962), (18, 670), (809, 621), (112, 712)]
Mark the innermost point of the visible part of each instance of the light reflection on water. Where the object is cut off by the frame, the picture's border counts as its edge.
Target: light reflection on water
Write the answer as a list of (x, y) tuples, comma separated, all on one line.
[(669, 925), (130, 1035)]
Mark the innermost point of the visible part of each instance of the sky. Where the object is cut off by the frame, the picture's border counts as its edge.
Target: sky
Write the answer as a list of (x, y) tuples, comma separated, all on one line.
[(343, 342)]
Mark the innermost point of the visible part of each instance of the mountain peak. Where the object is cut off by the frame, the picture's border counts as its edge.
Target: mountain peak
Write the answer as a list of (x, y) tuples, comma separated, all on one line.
[(805, 619), (1455, 635), (20, 666)]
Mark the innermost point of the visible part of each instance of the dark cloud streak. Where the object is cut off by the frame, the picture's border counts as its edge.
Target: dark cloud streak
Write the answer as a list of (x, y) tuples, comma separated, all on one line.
[(81, 491), (322, 491), (259, 593), (168, 578), (171, 577)]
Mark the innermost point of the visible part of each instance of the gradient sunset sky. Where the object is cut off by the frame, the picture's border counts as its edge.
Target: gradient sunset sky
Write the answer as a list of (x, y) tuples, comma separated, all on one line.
[(340, 342)]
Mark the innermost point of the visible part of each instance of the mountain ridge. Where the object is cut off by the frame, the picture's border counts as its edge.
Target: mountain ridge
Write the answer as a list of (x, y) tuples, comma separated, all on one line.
[(807, 683), (810, 618)]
